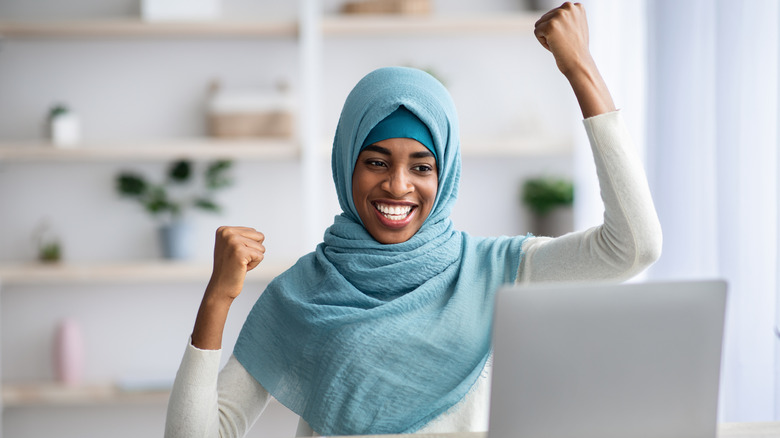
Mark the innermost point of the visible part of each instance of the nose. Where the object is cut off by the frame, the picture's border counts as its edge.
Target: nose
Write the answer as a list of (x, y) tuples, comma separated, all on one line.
[(398, 183)]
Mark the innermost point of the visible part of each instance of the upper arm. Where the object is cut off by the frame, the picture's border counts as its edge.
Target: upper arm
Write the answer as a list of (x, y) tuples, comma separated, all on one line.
[(241, 399)]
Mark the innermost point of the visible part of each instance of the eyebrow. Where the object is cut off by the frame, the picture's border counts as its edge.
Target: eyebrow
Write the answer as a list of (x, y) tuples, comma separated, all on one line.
[(384, 151)]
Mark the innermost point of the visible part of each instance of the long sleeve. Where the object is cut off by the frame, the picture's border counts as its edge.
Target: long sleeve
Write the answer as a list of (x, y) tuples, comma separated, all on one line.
[(206, 402), (630, 238), (627, 242)]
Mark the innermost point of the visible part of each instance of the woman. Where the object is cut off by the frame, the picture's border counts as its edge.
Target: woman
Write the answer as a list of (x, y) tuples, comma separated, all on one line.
[(385, 327)]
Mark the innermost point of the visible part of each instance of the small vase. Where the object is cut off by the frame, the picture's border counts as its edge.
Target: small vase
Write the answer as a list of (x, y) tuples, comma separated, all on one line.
[(554, 223), (69, 353), (65, 130), (176, 240)]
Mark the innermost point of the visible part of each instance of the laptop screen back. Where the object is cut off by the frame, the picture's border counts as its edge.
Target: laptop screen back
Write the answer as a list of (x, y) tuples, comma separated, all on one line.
[(627, 361)]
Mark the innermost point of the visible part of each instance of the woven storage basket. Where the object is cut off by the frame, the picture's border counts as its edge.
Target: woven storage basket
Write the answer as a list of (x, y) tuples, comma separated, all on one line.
[(411, 7), (251, 124)]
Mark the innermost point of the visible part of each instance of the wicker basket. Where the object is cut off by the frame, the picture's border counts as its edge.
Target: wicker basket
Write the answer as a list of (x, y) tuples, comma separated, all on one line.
[(254, 124), (411, 7)]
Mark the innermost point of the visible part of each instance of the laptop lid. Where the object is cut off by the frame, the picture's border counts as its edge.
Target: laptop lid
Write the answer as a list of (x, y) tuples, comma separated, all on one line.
[(604, 361)]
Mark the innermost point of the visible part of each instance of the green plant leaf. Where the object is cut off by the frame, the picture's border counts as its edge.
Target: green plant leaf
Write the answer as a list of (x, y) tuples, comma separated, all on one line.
[(546, 193), (216, 177), (130, 184), (207, 204), (57, 110), (180, 171), (50, 252), (155, 198), (157, 201)]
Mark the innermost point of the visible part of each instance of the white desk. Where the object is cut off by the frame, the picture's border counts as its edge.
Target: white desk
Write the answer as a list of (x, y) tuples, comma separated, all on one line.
[(725, 430), (749, 430)]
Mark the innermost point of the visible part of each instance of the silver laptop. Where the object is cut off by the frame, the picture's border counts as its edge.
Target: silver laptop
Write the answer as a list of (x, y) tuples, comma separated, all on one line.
[(607, 361)]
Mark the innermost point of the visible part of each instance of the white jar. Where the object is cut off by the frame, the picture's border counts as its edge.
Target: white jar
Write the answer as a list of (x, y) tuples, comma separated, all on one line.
[(65, 129)]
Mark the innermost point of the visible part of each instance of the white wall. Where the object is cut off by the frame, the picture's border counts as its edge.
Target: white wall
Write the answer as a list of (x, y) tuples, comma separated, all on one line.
[(138, 89)]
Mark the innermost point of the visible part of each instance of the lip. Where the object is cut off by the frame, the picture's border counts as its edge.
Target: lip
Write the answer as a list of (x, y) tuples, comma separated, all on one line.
[(390, 223)]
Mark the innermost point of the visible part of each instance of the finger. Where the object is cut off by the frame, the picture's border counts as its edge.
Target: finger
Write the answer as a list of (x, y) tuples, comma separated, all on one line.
[(254, 262), (547, 15), (247, 232), (251, 233), (540, 32), (253, 245), (543, 41), (235, 238)]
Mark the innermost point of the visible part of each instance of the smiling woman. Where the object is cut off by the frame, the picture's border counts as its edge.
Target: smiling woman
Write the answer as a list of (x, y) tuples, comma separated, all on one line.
[(394, 187), (385, 327)]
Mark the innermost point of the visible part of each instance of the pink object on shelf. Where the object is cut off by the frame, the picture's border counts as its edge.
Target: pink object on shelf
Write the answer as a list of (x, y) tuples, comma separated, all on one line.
[(69, 353)]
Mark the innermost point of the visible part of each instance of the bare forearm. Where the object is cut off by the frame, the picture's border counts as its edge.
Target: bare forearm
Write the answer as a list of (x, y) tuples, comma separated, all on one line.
[(564, 32), (236, 251), (210, 322), (590, 90)]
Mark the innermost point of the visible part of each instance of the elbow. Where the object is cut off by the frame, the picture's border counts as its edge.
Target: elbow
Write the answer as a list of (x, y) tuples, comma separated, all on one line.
[(630, 256), (650, 254), (648, 246)]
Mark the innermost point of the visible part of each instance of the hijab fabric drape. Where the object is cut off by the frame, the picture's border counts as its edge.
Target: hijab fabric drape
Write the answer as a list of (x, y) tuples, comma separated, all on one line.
[(364, 338)]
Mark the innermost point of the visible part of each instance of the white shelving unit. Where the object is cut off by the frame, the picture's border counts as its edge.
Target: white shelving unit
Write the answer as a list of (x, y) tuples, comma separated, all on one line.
[(309, 30), (373, 25), (157, 271), (136, 28), (42, 394), (161, 150), (332, 25), (52, 394)]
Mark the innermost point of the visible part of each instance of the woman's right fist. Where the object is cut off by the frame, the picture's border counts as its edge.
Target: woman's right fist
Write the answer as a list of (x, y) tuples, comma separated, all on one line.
[(237, 250)]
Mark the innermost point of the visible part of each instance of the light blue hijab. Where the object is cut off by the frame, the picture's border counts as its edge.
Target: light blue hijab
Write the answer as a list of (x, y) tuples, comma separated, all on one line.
[(364, 338)]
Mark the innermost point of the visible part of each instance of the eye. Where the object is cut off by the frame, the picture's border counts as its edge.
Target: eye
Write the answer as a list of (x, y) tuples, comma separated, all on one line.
[(423, 168), (371, 162)]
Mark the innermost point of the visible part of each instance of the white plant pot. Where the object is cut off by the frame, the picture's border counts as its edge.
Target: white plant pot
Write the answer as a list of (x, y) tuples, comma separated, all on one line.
[(176, 240), (557, 222), (65, 130), (154, 10)]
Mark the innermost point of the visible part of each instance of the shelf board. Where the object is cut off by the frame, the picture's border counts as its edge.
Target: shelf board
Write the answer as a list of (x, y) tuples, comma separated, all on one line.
[(141, 28), (332, 25), (200, 148), (42, 394), (255, 150), (54, 394), (25, 274), (401, 25)]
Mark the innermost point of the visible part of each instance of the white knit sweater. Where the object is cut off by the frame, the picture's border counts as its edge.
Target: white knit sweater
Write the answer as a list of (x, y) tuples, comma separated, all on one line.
[(207, 402)]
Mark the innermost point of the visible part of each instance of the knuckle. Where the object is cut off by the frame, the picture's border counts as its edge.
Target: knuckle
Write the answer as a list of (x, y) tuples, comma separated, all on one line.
[(232, 240)]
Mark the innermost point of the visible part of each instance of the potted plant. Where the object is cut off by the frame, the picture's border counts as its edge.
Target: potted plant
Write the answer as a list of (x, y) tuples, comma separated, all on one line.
[(168, 201), (550, 200), (63, 125), (48, 243)]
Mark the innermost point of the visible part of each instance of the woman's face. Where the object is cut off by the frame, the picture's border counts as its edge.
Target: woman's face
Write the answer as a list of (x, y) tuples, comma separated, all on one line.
[(394, 186)]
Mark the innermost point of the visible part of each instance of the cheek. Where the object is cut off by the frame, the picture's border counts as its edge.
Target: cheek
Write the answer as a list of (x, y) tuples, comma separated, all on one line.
[(428, 192), (359, 189), (433, 189), (356, 179)]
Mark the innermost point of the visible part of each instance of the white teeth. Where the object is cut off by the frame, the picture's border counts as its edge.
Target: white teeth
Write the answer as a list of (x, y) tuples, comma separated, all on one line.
[(394, 213)]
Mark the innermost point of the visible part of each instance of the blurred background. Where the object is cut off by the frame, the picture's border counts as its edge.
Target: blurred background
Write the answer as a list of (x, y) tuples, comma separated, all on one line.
[(95, 310)]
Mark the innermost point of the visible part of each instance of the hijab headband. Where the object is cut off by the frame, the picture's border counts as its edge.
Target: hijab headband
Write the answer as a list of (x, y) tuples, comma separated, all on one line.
[(401, 123)]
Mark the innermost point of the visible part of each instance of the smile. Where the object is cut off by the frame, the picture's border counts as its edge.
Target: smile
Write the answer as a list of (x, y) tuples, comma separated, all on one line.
[(394, 213)]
